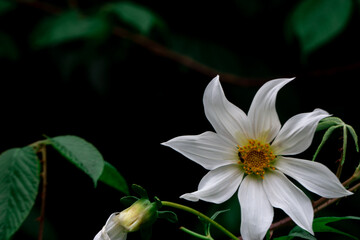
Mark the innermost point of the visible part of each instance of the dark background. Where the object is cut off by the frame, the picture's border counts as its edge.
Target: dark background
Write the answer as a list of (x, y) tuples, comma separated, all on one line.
[(126, 99)]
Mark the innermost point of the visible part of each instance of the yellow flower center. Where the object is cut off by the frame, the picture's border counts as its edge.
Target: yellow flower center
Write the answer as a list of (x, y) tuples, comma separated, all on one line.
[(256, 157)]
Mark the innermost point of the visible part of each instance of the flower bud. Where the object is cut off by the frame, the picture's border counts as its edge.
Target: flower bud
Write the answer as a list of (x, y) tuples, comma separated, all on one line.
[(141, 213)]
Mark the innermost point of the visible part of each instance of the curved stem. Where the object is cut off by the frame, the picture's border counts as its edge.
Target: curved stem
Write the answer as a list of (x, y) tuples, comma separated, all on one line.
[(199, 214)]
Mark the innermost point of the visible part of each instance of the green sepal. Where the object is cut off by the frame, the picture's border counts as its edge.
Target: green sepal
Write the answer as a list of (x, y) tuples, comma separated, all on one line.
[(354, 136), (207, 224), (168, 215), (140, 191), (329, 122), (127, 201), (158, 202), (326, 136)]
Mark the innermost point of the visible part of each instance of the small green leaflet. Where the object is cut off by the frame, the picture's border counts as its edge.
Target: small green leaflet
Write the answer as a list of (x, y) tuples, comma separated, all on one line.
[(19, 182), (81, 153)]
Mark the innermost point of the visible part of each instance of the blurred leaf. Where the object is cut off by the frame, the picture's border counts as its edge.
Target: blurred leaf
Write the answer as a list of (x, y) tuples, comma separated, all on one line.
[(19, 182), (317, 22), (66, 27), (6, 5), (8, 48), (320, 225), (81, 153), (113, 178), (206, 52), (137, 16), (168, 215)]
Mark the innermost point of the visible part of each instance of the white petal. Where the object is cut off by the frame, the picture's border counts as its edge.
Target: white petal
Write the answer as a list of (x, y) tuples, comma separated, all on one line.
[(208, 149), (285, 195), (218, 185), (256, 211), (227, 119), (314, 176), (112, 230), (262, 113), (297, 133)]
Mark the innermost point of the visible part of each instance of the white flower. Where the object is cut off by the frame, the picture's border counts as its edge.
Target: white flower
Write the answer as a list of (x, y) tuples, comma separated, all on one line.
[(138, 215), (250, 152), (113, 229)]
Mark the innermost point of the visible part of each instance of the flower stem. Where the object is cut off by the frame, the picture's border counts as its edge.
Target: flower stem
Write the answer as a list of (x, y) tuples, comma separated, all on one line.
[(194, 234), (199, 214)]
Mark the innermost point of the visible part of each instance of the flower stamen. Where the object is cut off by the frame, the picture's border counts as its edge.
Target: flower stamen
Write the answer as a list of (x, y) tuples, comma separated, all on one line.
[(256, 157)]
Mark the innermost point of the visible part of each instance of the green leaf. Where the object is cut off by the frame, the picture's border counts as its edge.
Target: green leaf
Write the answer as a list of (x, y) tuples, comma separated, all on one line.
[(326, 136), (137, 16), (68, 26), (317, 22), (81, 153), (301, 233), (19, 182), (354, 136), (113, 178), (320, 225)]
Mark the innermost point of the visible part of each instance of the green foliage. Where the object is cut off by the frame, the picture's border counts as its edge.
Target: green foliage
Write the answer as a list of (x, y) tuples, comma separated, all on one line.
[(319, 225), (315, 23), (332, 123), (113, 178), (81, 153), (68, 26), (136, 16), (19, 181), (6, 5)]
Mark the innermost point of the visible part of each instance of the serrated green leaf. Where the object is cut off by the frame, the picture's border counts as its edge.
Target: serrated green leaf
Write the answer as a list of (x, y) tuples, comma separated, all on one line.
[(326, 136), (19, 182), (354, 136), (68, 26), (168, 215), (81, 153), (317, 22), (139, 17), (113, 178), (320, 225)]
